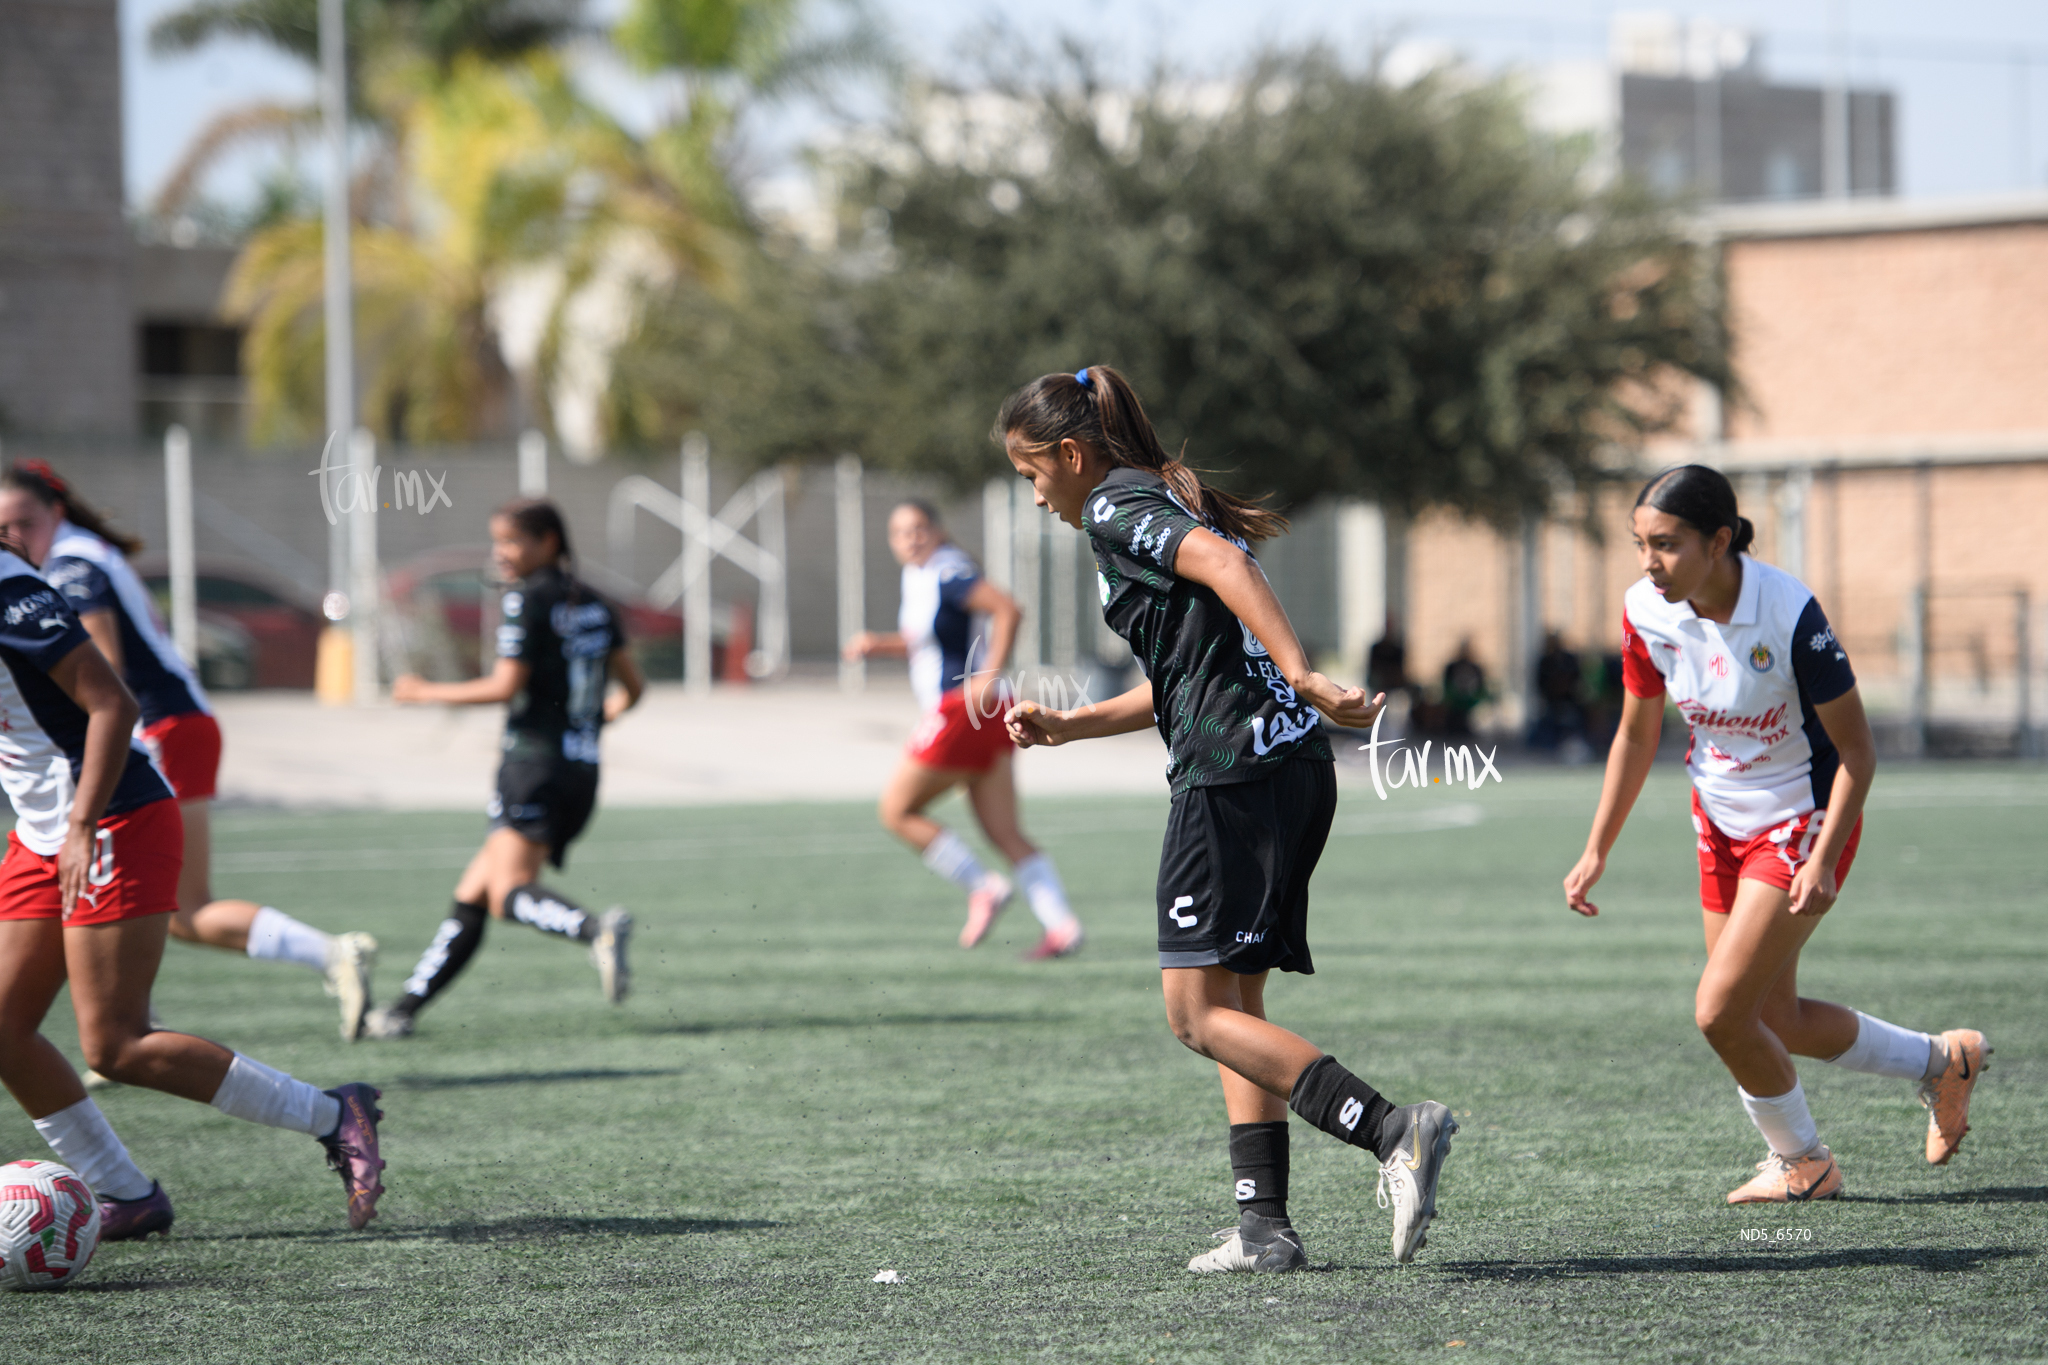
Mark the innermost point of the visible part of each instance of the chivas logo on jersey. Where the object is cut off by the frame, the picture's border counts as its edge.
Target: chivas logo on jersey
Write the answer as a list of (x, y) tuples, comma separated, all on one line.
[(1760, 659)]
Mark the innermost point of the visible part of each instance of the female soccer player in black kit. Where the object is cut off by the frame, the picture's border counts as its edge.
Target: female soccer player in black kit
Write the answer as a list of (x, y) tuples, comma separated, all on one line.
[(1254, 790), (558, 648)]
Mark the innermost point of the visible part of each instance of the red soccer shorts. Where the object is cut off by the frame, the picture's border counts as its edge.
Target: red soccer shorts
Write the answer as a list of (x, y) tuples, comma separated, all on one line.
[(1773, 856), (187, 750), (949, 737), (134, 872)]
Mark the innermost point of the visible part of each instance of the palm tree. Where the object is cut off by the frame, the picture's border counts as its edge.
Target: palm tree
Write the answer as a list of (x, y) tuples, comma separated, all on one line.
[(496, 192)]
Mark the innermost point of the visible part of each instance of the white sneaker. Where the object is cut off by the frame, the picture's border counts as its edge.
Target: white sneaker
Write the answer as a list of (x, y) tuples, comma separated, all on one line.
[(608, 950), (349, 959)]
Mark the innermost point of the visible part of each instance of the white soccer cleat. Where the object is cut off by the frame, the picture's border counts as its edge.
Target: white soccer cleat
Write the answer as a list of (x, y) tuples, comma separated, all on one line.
[(387, 1024), (1282, 1253), (1408, 1179), (608, 950), (349, 960)]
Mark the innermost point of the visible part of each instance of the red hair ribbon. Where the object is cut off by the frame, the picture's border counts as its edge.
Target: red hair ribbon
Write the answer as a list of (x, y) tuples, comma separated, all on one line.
[(41, 469)]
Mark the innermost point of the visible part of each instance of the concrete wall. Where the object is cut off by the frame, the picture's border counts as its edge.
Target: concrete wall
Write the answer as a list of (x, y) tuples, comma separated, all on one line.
[(67, 356)]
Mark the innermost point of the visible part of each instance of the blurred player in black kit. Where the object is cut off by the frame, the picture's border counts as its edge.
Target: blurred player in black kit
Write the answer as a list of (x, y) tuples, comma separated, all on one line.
[(559, 648)]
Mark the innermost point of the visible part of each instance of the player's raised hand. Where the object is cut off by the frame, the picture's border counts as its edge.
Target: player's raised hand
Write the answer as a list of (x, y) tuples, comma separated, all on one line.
[(1580, 880), (1349, 707), (1031, 724)]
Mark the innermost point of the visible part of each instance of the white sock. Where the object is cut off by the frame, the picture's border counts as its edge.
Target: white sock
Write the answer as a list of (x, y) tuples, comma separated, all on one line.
[(1784, 1120), (254, 1092), (1883, 1049), (953, 860), (1041, 883), (277, 937), (84, 1140)]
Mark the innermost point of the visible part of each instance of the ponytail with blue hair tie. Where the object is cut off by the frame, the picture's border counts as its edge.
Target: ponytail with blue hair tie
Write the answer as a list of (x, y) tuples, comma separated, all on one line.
[(1081, 377)]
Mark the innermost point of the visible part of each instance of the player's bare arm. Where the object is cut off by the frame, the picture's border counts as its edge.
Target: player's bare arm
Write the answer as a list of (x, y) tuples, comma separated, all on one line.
[(1207, 558), (501, 684), (1814, 886), (1628, 767), (86, 678), (1004, 616), (106, 633), (632, 684), (1033, 724), (869, 644)]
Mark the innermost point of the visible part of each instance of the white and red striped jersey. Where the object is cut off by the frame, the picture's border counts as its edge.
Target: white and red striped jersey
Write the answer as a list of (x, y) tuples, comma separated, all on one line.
[(1759, 755)]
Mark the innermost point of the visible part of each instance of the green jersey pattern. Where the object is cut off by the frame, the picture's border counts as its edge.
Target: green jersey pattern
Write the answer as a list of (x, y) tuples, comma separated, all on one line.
[(1224, 709)]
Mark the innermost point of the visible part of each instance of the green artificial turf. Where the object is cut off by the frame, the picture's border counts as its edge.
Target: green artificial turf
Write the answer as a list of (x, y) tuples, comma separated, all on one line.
[(813, 1084)]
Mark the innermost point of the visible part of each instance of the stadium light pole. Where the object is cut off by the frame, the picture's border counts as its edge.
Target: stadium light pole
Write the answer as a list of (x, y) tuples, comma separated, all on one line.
[(338, 302)]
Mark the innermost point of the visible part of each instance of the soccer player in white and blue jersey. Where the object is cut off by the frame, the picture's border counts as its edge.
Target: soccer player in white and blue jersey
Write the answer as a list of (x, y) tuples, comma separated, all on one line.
[(86, 560), (956, 674), (1781, 761)]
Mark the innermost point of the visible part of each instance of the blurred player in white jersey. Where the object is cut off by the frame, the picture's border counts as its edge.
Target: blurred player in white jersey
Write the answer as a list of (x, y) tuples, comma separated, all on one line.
[(87, 889), (86, 560), (956, 673), (1781, 761)]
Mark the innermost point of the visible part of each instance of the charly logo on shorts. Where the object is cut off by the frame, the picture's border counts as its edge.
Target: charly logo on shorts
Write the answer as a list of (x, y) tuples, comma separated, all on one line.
[(1760, 659)]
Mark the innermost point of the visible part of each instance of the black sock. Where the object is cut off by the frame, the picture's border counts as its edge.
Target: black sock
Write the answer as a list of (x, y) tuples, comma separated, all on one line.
[(551, 912), (1258, 1166), (454, 944), (1341, 1105)]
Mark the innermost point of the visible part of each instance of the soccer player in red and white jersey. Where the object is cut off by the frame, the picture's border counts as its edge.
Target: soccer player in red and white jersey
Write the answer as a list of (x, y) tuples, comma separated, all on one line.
[(1781, 761), (87, 889), (961, 741), (86, 560)]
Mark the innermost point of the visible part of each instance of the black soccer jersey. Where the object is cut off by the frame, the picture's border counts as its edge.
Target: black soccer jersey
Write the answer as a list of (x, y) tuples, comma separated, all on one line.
[(566, 645), (1224, 709)]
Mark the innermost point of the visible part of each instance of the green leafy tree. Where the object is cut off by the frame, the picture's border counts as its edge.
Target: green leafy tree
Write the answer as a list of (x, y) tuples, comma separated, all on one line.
[(1321, 282)]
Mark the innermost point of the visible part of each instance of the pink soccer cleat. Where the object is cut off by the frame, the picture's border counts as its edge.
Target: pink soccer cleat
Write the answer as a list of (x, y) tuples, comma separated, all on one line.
[(984, 903)]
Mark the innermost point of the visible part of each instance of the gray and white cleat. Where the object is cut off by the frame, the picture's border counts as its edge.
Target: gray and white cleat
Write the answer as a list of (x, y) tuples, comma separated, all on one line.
[(1410, 1174)]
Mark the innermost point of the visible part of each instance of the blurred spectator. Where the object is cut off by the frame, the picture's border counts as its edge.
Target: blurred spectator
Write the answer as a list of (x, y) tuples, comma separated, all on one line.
[(1386, 663), (1560, 701), (1464, 687)]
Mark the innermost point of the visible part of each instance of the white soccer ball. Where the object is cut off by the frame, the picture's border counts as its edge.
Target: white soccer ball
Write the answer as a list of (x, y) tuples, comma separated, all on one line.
[(49, 1225)]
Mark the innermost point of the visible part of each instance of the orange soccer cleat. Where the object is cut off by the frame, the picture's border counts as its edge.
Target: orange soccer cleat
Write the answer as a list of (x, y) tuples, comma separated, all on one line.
[(1792, 1179), (1947, 1096)]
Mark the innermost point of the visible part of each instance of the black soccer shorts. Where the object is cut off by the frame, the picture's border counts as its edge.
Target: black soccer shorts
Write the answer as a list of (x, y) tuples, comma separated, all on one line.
[(1234, 872), (548, 800)]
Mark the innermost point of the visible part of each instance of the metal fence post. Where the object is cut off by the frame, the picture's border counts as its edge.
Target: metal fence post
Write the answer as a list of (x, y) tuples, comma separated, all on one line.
[(178, 543), (852, 548)]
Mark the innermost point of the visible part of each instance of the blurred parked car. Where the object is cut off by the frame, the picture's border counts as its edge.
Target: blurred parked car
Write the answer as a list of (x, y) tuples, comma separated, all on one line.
[(445, 604), (256, 628)]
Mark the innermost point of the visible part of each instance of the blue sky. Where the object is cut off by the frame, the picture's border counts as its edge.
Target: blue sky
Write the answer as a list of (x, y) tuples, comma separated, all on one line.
[(1972, 78)]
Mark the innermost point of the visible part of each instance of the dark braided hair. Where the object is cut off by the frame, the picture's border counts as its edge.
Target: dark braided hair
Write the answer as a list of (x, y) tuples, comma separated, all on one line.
[(1703, 499), (1097, 406), (49, 488)]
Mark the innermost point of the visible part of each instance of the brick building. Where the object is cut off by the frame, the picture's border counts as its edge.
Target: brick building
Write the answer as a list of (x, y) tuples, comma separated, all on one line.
[(1891, 446)]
